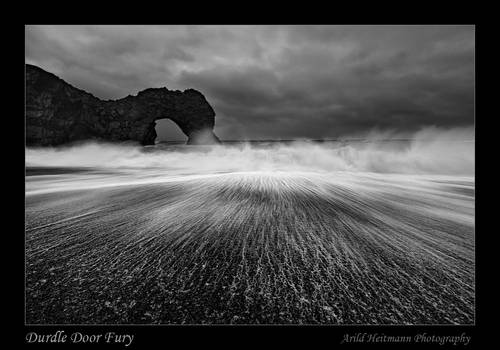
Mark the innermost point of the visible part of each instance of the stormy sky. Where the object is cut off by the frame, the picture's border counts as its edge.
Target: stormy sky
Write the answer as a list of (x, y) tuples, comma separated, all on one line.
[(277, 82)]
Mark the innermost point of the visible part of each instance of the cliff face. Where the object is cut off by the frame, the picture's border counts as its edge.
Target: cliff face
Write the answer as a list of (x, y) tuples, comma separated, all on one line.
[(57, 113)]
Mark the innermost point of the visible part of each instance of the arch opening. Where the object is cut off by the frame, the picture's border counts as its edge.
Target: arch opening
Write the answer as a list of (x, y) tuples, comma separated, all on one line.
[(167, 131)]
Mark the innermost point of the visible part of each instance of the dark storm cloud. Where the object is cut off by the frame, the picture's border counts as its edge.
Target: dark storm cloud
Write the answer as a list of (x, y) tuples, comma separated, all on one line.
[(278, 81)]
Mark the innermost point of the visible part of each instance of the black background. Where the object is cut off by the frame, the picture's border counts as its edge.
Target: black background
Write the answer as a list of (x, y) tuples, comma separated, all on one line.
[(174, 337)]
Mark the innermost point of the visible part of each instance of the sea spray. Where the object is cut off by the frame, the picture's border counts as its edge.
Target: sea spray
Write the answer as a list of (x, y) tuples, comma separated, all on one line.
[(429, 151)]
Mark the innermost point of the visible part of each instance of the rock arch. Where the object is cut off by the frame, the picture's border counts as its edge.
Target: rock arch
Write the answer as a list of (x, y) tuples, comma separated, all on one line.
[(57, 113)]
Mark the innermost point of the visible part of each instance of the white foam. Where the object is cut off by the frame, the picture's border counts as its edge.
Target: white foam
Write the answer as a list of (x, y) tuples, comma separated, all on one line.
[(431, 151)]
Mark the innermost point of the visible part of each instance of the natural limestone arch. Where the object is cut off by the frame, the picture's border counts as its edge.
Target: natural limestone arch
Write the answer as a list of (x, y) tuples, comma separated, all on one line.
[(58, 113)]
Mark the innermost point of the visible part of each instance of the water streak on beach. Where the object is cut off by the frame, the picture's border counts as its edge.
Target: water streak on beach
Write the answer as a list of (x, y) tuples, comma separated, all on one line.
[(301, 232)]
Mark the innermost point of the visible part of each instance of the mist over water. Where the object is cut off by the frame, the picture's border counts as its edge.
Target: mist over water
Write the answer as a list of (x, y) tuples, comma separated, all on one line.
[(430, 151)]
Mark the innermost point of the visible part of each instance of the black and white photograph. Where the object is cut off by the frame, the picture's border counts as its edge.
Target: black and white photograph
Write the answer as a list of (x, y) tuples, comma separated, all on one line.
[(250, 175)]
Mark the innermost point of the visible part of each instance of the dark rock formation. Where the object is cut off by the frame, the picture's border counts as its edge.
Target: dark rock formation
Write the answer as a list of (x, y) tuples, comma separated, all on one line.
[(57, 113)]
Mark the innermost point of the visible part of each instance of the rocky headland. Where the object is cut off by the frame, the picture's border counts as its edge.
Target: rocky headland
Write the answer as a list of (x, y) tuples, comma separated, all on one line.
[(59, 113)]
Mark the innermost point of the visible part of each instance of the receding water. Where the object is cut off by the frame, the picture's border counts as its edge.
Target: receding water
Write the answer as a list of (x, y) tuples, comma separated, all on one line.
[(377, 231)]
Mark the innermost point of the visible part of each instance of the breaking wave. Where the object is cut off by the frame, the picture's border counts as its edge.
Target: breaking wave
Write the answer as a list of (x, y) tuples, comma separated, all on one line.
[(429, 151)]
